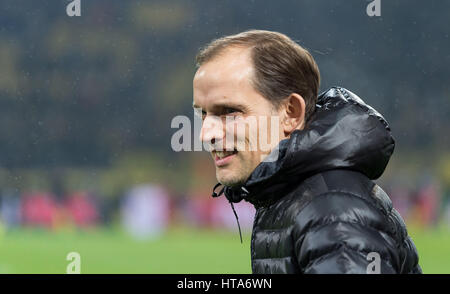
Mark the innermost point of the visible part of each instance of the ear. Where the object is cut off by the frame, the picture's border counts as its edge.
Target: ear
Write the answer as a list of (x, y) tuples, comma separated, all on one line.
[(294, 114)]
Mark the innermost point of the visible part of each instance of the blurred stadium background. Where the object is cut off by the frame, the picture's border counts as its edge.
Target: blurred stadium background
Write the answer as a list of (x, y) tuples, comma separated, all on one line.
[(86, 105)]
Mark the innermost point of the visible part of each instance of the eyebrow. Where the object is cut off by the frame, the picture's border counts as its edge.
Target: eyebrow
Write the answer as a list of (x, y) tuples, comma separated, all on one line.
[(226, 105)]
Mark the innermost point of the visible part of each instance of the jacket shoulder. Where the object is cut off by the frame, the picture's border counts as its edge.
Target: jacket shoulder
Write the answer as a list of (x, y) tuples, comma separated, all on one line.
[(346, 196), (347, 217), (343, 195)]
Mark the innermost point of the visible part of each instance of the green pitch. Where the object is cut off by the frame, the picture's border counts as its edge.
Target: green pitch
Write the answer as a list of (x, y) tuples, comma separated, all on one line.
[(180, 250)]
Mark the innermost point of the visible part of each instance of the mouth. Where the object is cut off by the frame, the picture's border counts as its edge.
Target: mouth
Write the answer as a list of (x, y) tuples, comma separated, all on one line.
[(222, 158)]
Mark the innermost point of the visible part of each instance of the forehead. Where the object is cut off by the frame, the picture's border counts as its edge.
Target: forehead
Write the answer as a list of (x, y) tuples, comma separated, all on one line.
[(226, 75)]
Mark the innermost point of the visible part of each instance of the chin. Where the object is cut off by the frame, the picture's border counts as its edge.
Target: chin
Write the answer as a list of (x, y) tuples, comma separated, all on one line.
[(227, 179)]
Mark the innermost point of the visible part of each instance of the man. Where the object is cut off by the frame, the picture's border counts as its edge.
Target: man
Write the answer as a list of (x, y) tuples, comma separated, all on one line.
[(317, 208)]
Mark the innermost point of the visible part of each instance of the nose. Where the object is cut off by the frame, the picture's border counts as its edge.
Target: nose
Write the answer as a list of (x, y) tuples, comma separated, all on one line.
[(212, 130)]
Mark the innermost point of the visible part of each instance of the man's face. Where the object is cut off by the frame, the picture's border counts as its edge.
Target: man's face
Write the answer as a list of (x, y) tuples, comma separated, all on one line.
[(230, 107)]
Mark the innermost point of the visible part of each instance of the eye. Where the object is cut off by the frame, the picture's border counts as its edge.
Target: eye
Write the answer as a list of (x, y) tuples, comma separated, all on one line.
[(229, 110)]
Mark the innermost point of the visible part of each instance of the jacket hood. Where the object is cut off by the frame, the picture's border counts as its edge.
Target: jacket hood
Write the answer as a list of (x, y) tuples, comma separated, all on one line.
[(343, 133)]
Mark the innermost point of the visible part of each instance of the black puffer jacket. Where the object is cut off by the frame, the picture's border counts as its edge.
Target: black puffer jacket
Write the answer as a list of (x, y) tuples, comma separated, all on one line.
[(318, 210)]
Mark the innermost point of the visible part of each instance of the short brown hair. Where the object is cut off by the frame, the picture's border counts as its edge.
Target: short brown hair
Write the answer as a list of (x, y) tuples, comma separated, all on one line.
[(282, 66)]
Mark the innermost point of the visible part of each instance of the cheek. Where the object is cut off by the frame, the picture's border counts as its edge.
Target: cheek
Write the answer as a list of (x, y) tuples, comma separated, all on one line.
[(248, 132), (239, 135), (240, 131)]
